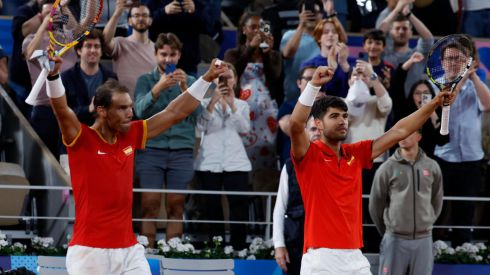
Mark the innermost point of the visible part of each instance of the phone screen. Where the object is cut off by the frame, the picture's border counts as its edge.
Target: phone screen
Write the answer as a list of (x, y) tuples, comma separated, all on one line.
[(170, 68)]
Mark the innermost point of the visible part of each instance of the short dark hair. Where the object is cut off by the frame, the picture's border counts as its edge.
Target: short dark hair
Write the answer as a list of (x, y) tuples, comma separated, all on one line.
[(320, 107), (103, 94), (137, 6), (316, 2), (400, 17), (463, 44), (302, 71), (93, 34), (169, 39), (376, 35)]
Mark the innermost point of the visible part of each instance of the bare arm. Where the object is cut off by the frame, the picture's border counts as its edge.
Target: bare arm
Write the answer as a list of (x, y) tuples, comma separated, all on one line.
[(35, 43), (110, 27), (299, 138), (67, 119), (409, 124), (31, 25), (180, 107), (386, 23), (292, 45), (420, 27), (482, 90)]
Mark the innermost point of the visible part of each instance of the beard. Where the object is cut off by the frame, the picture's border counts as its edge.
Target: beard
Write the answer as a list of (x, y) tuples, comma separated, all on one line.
[(140, 30)]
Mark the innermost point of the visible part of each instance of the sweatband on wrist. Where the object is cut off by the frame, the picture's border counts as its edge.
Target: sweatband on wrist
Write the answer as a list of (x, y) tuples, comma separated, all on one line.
[(199, 88), (55, 88), (308, 96)]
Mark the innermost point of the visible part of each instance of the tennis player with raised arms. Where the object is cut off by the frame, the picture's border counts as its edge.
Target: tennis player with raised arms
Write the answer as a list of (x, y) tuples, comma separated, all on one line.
[(329, 175), (101, 164)]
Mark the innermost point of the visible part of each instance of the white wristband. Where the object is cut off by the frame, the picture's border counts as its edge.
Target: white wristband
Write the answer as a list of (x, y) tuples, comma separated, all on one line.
[(55, 88), (308, 95), (199, 88)]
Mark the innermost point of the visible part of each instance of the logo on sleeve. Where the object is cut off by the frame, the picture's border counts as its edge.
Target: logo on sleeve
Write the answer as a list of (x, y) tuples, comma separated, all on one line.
[(352, 158), (128, 150), (426, 172), (101, 153)]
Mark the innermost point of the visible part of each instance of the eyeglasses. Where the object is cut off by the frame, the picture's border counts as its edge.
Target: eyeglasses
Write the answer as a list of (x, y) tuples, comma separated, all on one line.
[(307, 78), (137, 15), (90, 46), (426, 92)]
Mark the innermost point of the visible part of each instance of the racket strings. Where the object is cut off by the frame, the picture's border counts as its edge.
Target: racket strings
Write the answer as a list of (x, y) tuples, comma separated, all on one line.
[(449, 59), (67, 27)]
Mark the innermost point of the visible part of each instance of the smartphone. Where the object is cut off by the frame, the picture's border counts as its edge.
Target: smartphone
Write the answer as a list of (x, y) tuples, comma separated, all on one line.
[(170, 68), (310, 5), (426, 98), (223, 80)]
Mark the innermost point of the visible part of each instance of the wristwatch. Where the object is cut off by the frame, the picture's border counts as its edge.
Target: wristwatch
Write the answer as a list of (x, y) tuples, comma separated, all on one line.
[(373, 76)]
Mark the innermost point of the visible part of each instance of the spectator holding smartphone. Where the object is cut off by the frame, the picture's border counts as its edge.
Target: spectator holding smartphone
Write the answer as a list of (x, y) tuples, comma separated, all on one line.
[(134, 55), (168, 158), (222, 162), (184, 18), (299, 45), (258, 68)]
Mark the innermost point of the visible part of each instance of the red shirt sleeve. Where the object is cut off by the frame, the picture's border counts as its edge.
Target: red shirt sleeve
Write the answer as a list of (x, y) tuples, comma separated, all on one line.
[(363, 151)]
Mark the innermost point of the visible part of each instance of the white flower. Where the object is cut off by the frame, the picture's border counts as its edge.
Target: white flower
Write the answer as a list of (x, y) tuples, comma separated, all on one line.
[(251, 257), (181, 248), (257, 241), (273, 252), (218, 239), (19, 245), (143, 240), (2, 236), (161, 242), (189, 247), (166, 248), (269, 243), (481, 246), (242, 253), (3, 243), (228, 249), (174, 242), (450, 251), (468, 247), (440, 245)]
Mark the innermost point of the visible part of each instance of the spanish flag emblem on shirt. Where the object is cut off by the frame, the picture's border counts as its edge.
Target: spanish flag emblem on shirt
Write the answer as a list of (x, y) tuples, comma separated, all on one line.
[(128, 150)]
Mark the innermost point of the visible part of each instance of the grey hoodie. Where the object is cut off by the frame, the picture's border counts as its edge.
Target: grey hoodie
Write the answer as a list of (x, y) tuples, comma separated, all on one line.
[(406, 198)]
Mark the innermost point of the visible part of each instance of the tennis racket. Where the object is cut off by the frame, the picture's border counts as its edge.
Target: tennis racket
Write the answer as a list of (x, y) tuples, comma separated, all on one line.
[(65, 30), (448, 61)]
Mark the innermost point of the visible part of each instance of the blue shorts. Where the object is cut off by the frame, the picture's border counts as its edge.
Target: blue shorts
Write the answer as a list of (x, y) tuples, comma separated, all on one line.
[(156, 167)]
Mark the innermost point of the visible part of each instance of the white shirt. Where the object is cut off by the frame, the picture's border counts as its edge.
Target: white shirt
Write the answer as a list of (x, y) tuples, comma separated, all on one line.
[(280, 210), (222, 149)]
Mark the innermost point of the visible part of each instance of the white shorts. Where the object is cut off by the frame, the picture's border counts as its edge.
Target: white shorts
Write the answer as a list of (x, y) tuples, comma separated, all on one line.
[(325, 261), (83, 260)]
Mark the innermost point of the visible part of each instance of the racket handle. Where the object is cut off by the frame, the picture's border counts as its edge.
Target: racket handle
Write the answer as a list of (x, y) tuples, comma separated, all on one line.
[(41, 79), (445, 120)]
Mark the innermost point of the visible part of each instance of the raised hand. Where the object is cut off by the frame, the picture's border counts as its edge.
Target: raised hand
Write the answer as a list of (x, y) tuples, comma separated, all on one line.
[(189, 6), (173, 8), (416, 57), (216, 68), (322, 75), (304, 17)]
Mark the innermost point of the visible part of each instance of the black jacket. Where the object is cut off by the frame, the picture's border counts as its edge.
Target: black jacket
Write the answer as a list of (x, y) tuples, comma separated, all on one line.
[(77, 94)]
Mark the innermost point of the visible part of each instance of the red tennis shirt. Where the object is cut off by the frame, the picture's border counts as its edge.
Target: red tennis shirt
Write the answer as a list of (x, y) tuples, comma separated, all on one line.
[(332, 194), (102, 180)]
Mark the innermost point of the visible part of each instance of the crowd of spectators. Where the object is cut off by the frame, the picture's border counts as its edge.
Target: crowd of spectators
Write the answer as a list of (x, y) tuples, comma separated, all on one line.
[(153, 48)]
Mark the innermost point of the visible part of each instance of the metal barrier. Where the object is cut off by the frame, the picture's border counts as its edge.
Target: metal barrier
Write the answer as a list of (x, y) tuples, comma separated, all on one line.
[(268, 218)]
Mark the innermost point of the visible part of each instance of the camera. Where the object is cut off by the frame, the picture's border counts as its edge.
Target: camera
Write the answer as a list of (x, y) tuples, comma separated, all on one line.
[(265, 28)]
